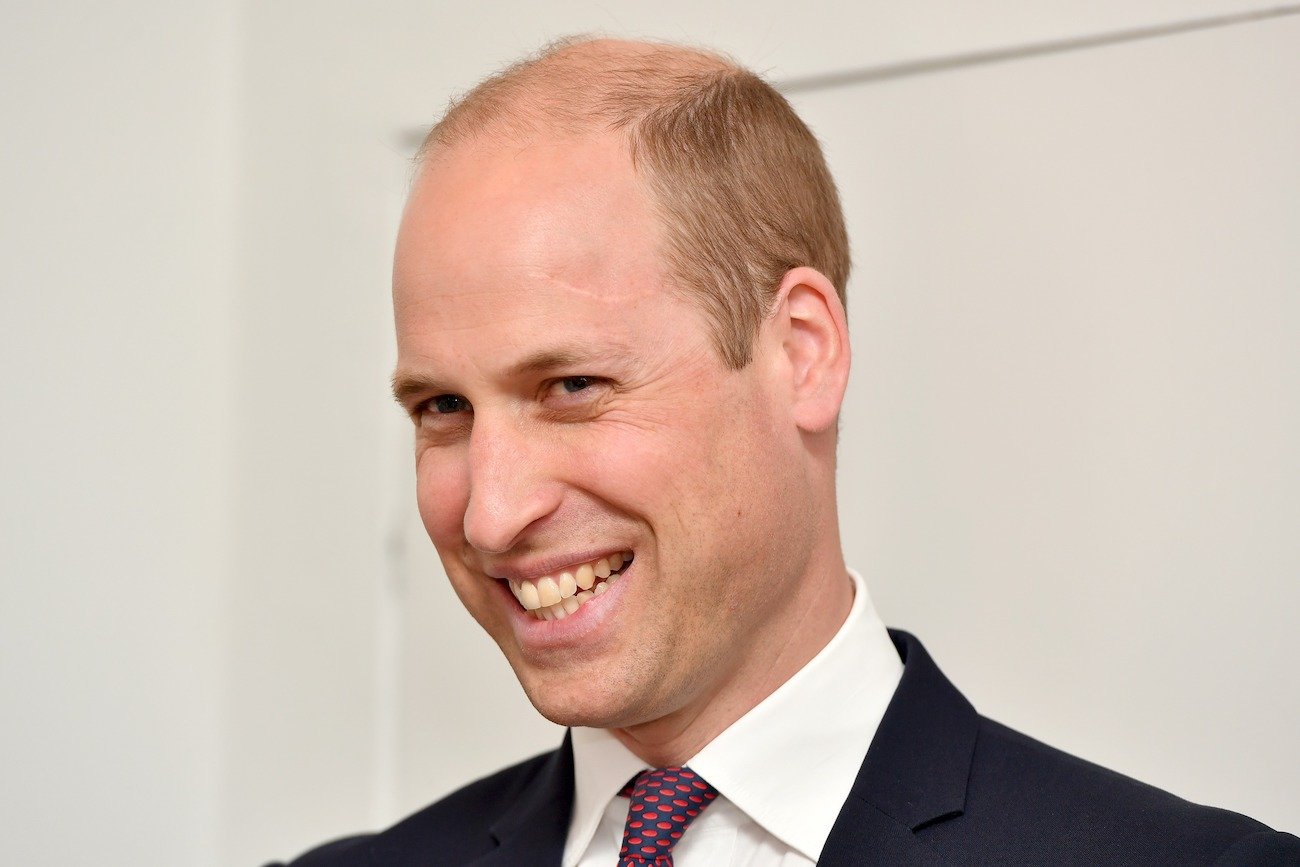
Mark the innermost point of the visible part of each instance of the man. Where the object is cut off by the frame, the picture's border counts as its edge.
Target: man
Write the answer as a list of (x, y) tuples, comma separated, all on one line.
[(619, 292)]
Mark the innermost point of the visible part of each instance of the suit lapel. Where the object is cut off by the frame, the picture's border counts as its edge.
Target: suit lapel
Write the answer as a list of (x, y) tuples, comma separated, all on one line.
[(532, 830), (863, 836), (914, 774)]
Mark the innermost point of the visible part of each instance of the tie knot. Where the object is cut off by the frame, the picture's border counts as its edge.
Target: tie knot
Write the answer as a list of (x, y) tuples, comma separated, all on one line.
[(664, 801)]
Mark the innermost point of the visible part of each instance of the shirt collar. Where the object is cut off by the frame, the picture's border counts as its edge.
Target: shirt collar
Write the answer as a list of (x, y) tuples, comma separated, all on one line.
[(601, 767), (788, 763)]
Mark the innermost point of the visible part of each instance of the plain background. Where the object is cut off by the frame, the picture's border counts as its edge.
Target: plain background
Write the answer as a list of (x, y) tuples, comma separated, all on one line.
[(1069, 458)]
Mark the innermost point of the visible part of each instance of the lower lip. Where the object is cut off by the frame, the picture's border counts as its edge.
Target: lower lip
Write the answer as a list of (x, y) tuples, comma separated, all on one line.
[(580, 627)]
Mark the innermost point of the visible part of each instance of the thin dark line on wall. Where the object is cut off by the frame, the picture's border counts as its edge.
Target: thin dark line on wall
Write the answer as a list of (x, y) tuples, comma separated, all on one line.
[(411, 138), (910, 68)]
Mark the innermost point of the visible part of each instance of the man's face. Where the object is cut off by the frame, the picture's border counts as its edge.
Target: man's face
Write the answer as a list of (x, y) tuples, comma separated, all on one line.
[(571, 408)]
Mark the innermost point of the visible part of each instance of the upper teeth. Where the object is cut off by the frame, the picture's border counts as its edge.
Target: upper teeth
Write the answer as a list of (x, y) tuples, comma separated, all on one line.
[(560, 595)]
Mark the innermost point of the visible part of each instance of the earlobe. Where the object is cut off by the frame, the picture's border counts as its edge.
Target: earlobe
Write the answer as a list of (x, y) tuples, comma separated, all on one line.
[(816, 347)]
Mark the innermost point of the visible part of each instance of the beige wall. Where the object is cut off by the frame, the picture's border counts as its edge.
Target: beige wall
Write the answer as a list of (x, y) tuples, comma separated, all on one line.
[(1069, 458), (118, 408)]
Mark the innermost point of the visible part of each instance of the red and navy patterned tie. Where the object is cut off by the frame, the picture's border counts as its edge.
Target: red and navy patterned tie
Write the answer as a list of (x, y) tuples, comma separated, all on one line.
[(664, 802)]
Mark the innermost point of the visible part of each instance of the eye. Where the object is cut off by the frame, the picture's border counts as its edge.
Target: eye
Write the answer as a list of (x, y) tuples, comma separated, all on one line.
[(575, 394), (448, 403), (444, 416), (573, 384)]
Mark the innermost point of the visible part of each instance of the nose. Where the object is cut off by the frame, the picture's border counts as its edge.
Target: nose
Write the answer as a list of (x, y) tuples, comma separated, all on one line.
[(510, 486)]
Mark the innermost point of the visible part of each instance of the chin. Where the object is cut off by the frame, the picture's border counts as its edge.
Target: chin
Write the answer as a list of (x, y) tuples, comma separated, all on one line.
[(574, 711), (580, 706)]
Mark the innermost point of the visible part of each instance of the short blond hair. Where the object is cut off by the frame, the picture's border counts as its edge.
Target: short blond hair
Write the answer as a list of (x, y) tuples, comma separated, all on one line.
[(738, 180)]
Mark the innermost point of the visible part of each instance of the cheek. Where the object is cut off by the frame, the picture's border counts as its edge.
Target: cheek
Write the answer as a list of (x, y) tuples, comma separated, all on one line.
[(649, 476), (685, 480), (442, 494)]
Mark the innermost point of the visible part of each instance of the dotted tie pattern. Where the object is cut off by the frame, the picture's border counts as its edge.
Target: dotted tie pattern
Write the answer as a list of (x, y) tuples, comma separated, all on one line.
[(664, 802)]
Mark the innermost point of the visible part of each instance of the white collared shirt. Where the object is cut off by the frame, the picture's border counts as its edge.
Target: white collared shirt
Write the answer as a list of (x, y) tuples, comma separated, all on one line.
[(782, 771)]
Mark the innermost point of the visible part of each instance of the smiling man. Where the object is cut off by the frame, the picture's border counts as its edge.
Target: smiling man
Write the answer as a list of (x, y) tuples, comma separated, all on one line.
[(575, 417), (619, 293)]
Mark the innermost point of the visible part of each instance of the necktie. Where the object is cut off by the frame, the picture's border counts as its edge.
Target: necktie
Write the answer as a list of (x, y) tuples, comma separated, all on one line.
[(664, 802)]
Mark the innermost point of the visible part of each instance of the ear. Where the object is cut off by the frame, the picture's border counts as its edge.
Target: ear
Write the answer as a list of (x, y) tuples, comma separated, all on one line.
[(813, 329)]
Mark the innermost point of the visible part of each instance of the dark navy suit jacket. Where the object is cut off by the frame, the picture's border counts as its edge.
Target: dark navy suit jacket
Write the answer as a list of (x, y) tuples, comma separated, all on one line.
[(939, 785)]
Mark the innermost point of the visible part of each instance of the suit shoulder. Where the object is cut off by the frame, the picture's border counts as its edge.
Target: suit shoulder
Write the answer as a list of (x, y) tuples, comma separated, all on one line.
[(456, 824), (481, 799), (1012, 758), (1042, 800), (1265, 847)]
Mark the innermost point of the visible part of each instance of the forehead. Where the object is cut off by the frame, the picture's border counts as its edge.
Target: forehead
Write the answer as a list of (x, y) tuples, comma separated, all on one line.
[(488, 225)]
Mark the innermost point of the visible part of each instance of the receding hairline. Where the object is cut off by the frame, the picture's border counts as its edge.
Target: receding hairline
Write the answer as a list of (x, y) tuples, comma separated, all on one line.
[(542, 96), (715, 145)]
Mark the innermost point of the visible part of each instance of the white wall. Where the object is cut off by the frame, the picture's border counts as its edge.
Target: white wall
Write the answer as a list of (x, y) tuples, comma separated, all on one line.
[(116, 272), (1072, 449), (938, 524), (224, 637)]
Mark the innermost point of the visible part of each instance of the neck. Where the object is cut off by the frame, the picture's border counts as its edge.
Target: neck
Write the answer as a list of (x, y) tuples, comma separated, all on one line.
[(804, 629)]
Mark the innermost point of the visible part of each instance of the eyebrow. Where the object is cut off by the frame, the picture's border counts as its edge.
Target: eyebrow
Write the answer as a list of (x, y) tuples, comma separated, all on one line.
[(554, 359), (409, 384)]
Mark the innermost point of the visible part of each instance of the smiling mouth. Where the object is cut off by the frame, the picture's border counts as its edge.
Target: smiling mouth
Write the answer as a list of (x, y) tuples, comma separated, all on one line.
[(555, 597)]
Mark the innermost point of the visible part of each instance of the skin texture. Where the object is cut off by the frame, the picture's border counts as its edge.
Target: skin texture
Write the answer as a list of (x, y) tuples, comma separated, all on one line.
[(569, 403)]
